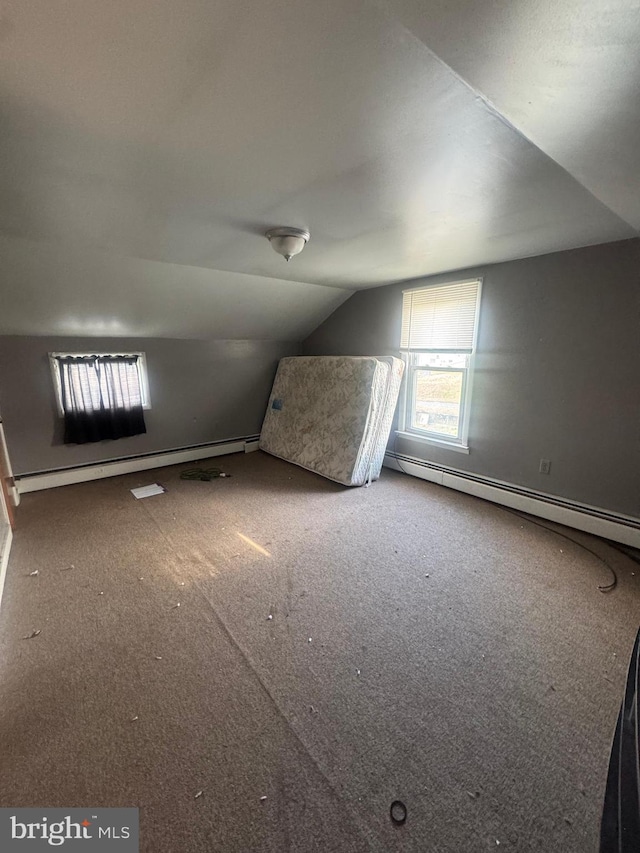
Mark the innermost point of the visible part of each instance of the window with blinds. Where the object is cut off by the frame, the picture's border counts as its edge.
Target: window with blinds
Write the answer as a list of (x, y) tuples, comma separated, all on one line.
[(439, 328)]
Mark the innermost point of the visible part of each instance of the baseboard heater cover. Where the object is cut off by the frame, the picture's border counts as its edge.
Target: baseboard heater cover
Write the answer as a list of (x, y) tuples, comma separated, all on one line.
[(600, 522), (51, 479)]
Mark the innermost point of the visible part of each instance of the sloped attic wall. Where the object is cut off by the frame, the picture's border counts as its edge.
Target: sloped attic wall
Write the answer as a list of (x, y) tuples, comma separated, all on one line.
[(556, 372)]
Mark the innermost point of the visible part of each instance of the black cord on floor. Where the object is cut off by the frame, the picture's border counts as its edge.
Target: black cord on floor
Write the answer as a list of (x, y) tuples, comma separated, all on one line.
[(609, 587), (395, 452), (525, 517)]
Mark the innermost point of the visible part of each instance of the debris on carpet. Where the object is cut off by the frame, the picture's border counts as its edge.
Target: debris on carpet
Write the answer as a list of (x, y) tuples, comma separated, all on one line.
[(32, 635), (204, 474), (148, 491), (398, 812)]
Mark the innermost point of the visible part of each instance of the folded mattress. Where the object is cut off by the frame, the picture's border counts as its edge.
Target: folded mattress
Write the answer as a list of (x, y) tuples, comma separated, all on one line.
[(333, 414)]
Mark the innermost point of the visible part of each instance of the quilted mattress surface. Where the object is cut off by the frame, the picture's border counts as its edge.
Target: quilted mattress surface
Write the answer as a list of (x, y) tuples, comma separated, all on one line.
[(329, 414)]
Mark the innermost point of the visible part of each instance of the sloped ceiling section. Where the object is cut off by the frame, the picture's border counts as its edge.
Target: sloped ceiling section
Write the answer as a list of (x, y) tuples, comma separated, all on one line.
[(127, 297), (146, 145), (565, 74)]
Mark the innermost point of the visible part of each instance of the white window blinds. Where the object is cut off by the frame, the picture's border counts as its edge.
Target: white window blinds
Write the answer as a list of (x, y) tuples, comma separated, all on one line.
[(442, 317)]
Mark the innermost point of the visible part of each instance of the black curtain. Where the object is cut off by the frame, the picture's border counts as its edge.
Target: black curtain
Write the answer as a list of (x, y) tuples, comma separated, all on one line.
[(101, 398)]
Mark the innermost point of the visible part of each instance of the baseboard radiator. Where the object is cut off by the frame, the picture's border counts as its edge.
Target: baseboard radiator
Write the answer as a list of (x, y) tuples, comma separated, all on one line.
[(600, 522), (38, 480)]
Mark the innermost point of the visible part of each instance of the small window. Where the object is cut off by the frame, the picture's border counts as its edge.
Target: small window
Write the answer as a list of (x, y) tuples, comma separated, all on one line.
[(439, 329), (99, 380)]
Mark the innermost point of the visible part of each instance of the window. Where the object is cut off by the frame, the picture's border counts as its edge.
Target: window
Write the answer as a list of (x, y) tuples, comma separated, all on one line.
[(100, 396), (85, 380), (439, 328)]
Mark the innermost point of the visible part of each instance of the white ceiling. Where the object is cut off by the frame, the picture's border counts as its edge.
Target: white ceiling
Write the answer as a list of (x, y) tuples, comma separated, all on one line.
[(409, 136)]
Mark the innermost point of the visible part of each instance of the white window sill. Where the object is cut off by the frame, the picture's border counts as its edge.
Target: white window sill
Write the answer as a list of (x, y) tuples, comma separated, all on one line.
[(423, 439)]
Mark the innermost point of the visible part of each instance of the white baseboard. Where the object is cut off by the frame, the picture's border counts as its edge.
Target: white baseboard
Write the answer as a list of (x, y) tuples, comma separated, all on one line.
[(250, 446), (5, 548), (600, 522), (67, 476)]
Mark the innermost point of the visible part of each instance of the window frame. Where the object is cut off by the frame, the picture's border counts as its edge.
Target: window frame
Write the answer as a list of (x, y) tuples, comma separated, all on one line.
[(141, 365), (407, 408)]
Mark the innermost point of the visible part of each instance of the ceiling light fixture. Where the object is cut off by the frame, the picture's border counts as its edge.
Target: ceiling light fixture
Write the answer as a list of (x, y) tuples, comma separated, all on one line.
[(288, 241)]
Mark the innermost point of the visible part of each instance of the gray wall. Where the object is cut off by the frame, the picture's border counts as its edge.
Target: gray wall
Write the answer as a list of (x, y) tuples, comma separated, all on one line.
[(557, 371), (200, 391)]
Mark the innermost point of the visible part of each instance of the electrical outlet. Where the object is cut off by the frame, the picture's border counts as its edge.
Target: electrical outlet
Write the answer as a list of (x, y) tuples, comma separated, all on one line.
[(545, 466)]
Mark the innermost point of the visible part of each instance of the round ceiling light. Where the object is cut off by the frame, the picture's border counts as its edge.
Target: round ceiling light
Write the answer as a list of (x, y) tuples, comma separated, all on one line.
[(288, 241)]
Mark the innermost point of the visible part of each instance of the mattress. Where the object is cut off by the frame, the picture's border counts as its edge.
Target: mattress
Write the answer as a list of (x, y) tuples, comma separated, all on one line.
[(333, 414)]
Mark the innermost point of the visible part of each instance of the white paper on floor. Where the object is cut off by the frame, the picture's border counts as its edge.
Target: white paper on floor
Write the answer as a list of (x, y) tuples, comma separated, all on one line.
[(148, 491)]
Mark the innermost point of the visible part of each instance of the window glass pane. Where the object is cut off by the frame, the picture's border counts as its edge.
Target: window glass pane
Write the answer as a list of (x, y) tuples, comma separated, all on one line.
[(437, 398), (120, 385), (440, 359), (109, 381)]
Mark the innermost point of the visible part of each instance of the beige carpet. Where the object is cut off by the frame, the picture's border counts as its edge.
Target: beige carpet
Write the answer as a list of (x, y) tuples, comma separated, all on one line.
[(424, 645)]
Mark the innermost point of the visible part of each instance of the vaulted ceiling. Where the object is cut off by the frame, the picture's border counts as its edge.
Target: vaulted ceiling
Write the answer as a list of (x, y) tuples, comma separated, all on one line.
[(146, 145)]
